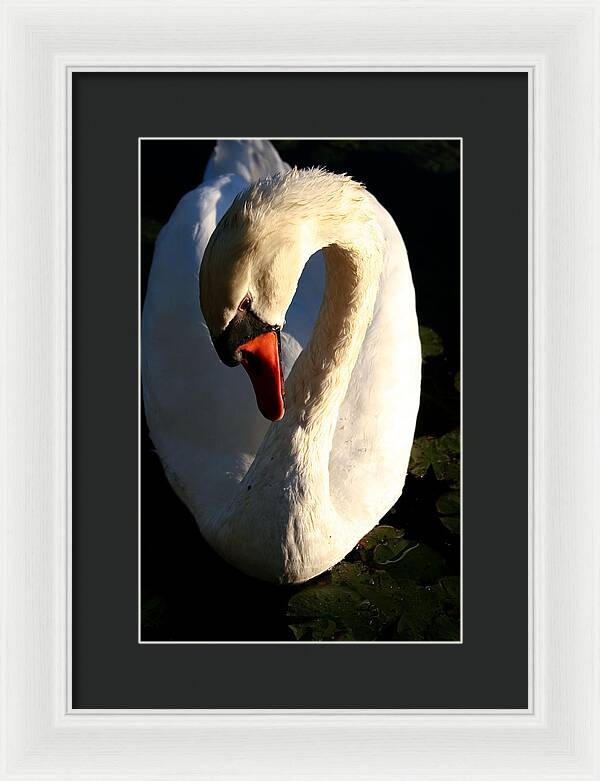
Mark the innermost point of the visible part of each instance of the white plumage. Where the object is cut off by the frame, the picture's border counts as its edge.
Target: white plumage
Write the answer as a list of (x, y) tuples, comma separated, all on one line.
[(282, 501)]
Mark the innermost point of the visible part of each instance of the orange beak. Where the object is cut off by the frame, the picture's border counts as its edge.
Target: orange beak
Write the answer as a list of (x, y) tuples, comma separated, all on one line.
[(260, 358)]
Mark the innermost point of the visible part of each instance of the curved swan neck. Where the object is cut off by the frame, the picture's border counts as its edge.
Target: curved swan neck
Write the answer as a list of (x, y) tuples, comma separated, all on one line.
[(319, 381), (290, 472), (352, 243)]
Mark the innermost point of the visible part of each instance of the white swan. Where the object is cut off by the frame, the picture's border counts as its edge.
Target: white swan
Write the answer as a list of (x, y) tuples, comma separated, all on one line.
[(282, 501)]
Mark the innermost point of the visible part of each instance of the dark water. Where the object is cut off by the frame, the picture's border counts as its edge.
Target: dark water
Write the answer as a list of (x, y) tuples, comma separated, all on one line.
[(189, 593)]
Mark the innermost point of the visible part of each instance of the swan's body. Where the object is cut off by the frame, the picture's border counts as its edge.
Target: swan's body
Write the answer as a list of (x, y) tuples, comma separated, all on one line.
[(282, 501)]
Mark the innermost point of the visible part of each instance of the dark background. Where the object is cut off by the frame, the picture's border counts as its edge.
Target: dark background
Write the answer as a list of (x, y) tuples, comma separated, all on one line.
[(490, 112), (189, 592)]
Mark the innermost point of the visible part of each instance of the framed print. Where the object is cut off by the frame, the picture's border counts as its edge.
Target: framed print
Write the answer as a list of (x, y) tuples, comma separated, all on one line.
[(130, 648)]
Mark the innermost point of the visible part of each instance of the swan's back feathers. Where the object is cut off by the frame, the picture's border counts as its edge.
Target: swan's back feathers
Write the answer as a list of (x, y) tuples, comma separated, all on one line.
[(251, 159)]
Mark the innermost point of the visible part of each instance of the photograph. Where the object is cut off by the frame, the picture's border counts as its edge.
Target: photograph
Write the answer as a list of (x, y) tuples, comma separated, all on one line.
[(300, 386)]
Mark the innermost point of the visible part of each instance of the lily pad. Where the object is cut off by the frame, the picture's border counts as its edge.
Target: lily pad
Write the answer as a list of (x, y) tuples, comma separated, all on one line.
[(401, 600), (383, 544), (318, 611), (389, 554), (451, 588), (449, 503), (358, 604), (447, 462), (422, 456), (431, 344), (421, 564), (451, 522), (431, 612), (374, 585), (450, 443), (319, 629), (421, 607), (442, 454), (326, 600), (380, 534)]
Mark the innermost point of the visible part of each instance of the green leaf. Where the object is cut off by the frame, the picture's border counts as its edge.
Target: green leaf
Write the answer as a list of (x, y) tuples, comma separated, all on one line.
[(447, 462), (431, 344), (377, 587), (382, 544), (421, 606), (422, 456), (442, 454), (451, 522), (319, 629), (449, 503), (397, 590), (322, 600), (381, 534), (403, 601), (386, 554), (431, 612), (358, 604), (451, 588), (421, 564), (450, 443), (300, 632)]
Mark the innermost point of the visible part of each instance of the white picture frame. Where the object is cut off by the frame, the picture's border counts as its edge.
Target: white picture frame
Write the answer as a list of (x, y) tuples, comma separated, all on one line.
[(557, 44)]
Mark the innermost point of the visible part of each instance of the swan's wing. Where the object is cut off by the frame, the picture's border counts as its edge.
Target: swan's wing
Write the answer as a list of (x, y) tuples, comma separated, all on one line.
[(375, 427), (202, 415), (251, 159)]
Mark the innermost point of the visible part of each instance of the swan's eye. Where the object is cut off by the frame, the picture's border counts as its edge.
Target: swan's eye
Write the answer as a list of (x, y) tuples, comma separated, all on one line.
[(245, 303)]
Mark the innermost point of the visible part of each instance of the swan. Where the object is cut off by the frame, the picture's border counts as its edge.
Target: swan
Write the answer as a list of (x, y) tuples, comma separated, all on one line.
[(302, 278)]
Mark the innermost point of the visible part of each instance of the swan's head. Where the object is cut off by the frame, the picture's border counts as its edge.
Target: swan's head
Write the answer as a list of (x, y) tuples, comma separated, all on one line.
[(248, 277)]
